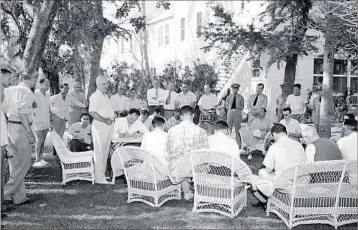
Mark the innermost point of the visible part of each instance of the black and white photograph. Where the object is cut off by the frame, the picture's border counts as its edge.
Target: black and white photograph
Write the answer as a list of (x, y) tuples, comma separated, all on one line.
[(170, 114)]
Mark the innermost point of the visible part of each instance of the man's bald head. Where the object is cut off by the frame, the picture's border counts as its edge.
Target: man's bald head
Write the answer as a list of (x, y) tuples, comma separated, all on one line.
[(102, 83)]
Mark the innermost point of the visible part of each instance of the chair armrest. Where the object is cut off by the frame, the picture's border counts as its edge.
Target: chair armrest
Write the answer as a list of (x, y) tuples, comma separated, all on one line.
[(82, 154), (67, 160)]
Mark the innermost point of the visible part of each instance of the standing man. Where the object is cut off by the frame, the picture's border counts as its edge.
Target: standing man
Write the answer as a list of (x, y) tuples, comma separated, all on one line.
[(280, 102), (59, 111), (170, 101), (133, 101), (18, 107), (100, 108), (234, 105), (41, 120), (297, 103), (156, 97), (256, 102), (207, 103), (77, 104), (186, 97), (119, 101)]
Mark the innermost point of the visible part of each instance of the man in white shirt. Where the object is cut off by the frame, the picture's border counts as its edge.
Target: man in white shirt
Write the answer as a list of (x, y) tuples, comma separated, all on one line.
[(77, 103), (133, 101), (144, 118), (170, 101), (293, 127), (173, 121), (284, 153), (186, 97), (126, 126), (348, 143), (207, 105), (18, 107), (41, 120), (59, 110), (222, 142), (156, 97), (100, 108), (120, 102), (257, 101), (297, 103), (80, 135), (154, 142)]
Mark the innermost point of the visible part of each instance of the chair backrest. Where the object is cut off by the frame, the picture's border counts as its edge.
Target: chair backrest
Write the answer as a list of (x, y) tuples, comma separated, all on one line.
[(137, 162), (318, 179), (218, 164), (59, 145)]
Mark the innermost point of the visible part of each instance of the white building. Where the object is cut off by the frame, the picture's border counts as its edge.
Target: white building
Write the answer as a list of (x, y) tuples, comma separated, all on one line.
[(173, 35)]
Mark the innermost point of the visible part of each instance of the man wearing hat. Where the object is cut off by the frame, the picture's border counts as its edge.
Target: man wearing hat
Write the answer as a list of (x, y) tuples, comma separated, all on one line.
[(235, 105)]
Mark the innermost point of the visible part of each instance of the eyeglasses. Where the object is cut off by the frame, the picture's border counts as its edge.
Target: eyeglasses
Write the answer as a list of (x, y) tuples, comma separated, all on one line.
[(235, 87), (285, 115)]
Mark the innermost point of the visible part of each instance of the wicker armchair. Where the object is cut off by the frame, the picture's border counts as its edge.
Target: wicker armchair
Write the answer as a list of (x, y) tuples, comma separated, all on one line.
[(321, 192), (145, 182), (219, 182), (75, 166)]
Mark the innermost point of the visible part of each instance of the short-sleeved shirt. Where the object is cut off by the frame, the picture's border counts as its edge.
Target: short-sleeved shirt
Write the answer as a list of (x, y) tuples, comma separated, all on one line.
[(296, 103), (18, 100), (135, 103), (283, 154), (208, 102), (42, 110), (262, 125), (173, 98), (119, 102), (100, 103), (58, 106), (224, 143), (348, 146), (83, 133), (121, 126), (186, 99), (293, 126)]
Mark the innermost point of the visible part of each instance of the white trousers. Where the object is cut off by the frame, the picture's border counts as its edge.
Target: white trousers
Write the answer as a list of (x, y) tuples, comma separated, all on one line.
[(102, 135)]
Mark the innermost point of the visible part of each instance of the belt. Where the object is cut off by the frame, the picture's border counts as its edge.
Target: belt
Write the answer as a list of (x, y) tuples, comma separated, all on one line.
[(169, 110), (15, 122)]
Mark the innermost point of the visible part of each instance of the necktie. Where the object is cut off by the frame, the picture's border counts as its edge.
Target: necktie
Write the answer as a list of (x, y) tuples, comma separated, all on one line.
[(156, 92), (233, 105), (255, 101), (168, 99)]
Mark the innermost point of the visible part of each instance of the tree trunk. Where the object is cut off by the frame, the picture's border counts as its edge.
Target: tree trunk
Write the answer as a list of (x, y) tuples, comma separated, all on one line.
[(40, 29), (326, 109), (54, 82), (145, 44), (97, 45), (290, 74)]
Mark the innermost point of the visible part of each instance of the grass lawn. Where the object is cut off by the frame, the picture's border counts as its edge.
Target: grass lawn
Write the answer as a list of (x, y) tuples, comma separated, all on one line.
[(80, 204)]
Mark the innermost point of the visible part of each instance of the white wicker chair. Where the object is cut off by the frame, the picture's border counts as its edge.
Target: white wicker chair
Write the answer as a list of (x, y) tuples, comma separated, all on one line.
[(321, 192), (219, 182), (75, 166), (144, 182)]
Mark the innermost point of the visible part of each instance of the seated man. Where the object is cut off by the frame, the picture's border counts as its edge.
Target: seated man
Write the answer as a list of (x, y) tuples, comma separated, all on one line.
[(284, 153), (79, 135), (154, 142), (348, 143), (182, 139), (222, 142), (293, 127), (144, 117), (256, 132), (319, 149), (127, 126), (148, 122), (173, 121)]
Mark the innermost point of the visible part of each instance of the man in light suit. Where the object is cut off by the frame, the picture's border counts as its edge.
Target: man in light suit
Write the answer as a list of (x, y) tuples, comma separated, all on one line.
[(234, 105)]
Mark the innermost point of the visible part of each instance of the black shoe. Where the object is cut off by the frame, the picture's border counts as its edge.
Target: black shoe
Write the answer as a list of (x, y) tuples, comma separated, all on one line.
[(259, 204), (122, 177)]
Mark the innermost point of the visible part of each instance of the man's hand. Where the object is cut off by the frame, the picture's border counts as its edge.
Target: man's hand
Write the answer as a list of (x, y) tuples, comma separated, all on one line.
[(108, 121), (32, 138)]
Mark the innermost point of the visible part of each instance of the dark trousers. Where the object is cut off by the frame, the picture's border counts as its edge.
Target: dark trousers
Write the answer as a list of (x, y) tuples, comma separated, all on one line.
[(153, 107), (79, 146)]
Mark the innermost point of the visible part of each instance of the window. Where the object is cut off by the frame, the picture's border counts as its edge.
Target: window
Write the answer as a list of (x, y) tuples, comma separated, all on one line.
[(166, 32), (198, 24), (344, 76), (160, 36), (153, 71), (182, 29), (256, 68)]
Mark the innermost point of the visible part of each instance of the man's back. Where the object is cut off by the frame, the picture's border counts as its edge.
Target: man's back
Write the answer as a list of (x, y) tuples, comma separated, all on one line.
[(348, 146), (224, 143), (184, 138), (283, 154), (154, 142)]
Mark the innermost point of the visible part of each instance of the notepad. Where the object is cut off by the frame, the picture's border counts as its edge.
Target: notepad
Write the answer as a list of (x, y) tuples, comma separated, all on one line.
[(256, 133)]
